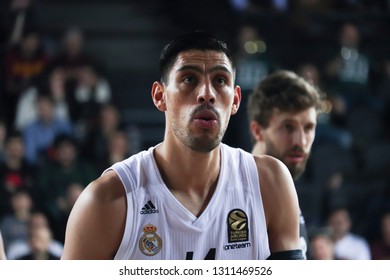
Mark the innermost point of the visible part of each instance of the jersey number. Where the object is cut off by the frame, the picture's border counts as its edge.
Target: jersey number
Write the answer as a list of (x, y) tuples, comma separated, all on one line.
[(210, 255)]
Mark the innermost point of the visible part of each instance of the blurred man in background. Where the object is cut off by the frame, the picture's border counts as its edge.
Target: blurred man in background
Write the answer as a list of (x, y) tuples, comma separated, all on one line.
[(282, 114)]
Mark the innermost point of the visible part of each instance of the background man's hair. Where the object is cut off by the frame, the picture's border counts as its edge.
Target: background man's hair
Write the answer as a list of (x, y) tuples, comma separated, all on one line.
[(283, 90)]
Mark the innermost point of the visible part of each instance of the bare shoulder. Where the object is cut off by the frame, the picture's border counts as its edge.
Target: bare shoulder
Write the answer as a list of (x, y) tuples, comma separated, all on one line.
[(274, 175), (280, 203), (96, 223), (106, 189)]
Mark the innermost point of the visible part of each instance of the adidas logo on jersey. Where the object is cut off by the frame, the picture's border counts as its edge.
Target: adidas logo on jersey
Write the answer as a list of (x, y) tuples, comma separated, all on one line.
[(149, 208)]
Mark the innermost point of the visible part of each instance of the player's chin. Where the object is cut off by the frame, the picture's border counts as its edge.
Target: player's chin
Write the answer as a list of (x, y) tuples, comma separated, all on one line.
[(296, 170), (205, 143)]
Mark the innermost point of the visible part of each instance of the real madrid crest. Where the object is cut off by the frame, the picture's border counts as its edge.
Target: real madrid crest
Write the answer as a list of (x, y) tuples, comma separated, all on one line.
[(150, 243)]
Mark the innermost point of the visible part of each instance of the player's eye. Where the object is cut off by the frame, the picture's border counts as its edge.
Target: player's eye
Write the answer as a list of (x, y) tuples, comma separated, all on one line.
[(289, 127), (189, 79), (220, 81)]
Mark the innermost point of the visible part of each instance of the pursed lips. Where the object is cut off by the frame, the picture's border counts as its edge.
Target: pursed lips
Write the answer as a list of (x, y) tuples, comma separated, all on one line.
[(205, 119), (296, 156)]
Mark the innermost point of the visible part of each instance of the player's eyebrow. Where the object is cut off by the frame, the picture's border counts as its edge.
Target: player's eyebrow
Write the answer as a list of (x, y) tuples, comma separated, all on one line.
[(200, 69)]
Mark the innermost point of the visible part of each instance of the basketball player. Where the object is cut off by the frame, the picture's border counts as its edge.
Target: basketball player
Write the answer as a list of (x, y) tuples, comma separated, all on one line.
[(2, 252), (191, 196), (282, 112)]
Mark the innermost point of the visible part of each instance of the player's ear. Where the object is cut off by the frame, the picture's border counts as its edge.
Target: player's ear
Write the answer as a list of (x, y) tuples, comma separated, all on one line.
[(256, 130), (158, 96), (236, 100)]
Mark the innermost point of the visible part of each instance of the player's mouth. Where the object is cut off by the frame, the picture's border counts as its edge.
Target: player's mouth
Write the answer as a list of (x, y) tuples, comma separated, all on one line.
[(205, 119), (296, 157)]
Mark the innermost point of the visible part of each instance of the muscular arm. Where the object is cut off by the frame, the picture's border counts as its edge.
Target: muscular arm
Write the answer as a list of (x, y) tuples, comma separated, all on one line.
[(2, 252), (96, 223), (280, 204)]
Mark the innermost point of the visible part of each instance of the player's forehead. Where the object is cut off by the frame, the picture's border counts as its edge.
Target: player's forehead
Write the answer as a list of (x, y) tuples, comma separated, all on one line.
[(306, 116), (205, 59)]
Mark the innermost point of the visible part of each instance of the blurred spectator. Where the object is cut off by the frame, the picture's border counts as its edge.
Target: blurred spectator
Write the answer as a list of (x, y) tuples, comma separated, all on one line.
[(15, 172), (117, 150), (239, 5), (380, 248), (19, 16), (39, 134), (352, 78), (95, 144), (92, 92), (321, 245), (20, 248), (65, 205), (252, 58), (56, 175), (82, 74), (348, 246), (24, 63), (253, 63), (311, 73), (72, 55), (39, 241), (349, 70), (53, 85), (14, 226), (329, 129)]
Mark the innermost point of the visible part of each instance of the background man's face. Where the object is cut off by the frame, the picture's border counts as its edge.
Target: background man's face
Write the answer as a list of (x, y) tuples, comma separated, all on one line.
[(289, 137)]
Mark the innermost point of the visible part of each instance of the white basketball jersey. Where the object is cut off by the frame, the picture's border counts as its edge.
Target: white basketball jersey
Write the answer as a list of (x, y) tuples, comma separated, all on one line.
[(159, 227)]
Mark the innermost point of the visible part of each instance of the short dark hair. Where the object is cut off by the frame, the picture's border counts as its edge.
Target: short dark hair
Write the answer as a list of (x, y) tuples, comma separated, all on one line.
[(64, 139), (285, 91), (324, 231), (14, 133), (197, 40)]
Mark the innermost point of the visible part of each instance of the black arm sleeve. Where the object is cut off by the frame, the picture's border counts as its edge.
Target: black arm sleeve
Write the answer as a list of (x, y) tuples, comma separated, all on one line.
[(287, 255)]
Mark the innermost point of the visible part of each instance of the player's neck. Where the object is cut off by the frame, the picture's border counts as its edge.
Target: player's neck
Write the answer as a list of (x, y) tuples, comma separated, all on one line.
[(258, 149), (191, 177), (190, 169)]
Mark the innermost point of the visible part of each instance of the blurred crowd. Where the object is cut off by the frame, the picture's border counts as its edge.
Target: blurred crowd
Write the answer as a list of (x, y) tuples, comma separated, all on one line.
[(59, 130), (60, 126)]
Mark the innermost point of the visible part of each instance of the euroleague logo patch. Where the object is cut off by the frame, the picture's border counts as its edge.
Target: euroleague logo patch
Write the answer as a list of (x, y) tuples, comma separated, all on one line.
[(237, 226), (150, 243)]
